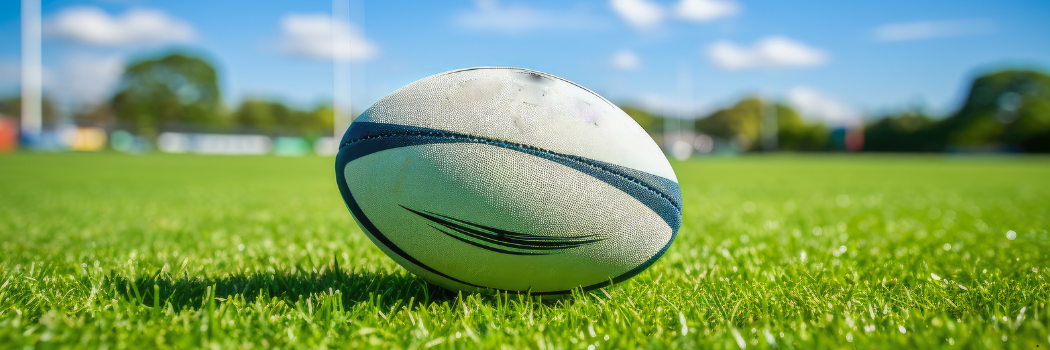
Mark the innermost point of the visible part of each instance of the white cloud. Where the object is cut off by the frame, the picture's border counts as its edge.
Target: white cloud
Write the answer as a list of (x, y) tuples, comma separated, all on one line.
[(489, 15), (647, 14), (85, 78), (642, 14), (626, 60), (930, 29), (770, 53), (90, 25), (317, 36), (813, 104), (706, 10)]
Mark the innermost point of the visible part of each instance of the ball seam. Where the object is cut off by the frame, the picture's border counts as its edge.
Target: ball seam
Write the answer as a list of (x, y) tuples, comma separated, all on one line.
[(476, 139)]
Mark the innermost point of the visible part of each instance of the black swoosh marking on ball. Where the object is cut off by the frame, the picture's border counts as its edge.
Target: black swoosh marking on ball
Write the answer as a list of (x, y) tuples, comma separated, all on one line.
[(367, 224), (661, 195), (479, 245), (511, 236), (539, 245), (521, 236)]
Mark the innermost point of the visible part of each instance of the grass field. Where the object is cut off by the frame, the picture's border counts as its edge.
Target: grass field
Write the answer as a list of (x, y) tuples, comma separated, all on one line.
[(808, 252)]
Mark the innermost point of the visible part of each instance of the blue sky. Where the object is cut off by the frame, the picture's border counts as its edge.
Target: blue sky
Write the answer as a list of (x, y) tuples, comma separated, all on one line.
[(833, 60)]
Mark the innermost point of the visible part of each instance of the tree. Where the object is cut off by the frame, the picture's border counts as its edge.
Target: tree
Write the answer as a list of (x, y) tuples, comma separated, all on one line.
[(742, 122), (100, 115), (793, 134), (173, 89), (12, 106), (323, 118), (258, 114), (1009, 108), (276, 117), (907, 131)]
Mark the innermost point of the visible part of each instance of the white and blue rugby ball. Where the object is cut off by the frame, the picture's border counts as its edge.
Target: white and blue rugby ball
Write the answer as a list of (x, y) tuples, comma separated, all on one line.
[(508, 179)]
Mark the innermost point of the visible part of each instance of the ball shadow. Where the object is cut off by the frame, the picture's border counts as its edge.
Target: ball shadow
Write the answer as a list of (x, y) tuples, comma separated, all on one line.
[(383, 289)]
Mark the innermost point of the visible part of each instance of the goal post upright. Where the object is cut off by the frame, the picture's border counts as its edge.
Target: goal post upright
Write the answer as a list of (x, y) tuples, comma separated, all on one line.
[(32, 109)]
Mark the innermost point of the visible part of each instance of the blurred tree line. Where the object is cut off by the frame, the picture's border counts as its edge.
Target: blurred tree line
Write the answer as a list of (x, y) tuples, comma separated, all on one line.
[(1003, 111), (181, 92), (1007, 110), (741, 124)]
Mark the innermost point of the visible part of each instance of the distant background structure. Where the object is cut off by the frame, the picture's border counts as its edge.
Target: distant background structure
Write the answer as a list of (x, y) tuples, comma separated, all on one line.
[(703, 77)]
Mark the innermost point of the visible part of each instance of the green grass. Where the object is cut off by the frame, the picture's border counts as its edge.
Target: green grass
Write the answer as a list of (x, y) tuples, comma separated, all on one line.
[(115, 251)]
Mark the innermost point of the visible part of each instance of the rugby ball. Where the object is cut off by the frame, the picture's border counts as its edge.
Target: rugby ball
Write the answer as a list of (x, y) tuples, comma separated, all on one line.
[(508, 179)]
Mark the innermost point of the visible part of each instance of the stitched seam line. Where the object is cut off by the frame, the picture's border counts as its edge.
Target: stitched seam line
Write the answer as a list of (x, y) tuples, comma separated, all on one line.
[(529, 149)]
